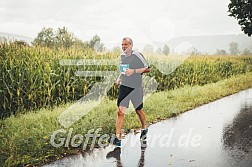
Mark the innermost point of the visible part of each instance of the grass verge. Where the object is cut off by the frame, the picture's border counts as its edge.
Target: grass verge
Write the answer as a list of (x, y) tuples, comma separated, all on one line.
[(25, 139)]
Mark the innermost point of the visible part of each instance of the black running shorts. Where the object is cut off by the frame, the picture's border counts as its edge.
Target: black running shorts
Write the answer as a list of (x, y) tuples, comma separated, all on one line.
[(134, 94)]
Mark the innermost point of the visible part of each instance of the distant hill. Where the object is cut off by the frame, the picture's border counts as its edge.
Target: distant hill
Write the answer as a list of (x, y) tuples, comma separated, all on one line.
[(204, 44), (10, 36), (209, 44)]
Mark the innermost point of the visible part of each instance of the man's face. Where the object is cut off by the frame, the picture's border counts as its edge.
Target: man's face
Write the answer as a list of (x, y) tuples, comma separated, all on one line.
[(125, 44)]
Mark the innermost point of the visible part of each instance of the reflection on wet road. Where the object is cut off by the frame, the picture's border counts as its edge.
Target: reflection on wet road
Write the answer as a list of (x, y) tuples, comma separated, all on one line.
[(237, 137), (218, 134)]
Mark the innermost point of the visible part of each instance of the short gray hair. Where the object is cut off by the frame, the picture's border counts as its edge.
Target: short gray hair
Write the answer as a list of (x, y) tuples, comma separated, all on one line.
[(128, 39)]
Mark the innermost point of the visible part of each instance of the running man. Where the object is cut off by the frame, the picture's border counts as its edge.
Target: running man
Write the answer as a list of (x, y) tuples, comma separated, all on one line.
[(132, 66)]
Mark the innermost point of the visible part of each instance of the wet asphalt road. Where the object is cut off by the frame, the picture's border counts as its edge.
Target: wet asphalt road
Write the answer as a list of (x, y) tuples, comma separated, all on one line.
[(218, 134)]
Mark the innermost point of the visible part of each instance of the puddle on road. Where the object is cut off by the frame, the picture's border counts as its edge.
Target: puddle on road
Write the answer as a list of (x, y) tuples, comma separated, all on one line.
[(217, 134)]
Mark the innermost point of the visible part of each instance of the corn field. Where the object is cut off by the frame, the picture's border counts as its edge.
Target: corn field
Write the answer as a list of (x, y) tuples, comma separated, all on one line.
[(33, 78)]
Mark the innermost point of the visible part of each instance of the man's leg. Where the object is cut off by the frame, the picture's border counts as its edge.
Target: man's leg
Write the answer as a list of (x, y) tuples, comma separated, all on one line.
[(141, 116), (122, 103), (119, 121), (144, 131)]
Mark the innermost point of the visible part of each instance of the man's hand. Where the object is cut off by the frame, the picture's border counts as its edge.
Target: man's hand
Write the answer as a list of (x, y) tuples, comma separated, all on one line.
[(129, 72), (147, 70), (118, 82)]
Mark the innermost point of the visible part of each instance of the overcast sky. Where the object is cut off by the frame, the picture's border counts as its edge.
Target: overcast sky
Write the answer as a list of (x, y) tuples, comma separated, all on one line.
[(143, 20)]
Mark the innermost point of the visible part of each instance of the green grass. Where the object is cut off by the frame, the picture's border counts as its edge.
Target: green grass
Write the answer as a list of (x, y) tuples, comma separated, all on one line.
[(25, 138)]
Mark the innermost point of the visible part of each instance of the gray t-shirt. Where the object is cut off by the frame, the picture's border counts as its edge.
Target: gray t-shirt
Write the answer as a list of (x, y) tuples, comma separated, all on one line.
[(134, 61)]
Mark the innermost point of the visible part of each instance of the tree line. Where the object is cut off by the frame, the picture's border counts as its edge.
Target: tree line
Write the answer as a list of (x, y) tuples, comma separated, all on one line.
[(62, 38), (233, 50)]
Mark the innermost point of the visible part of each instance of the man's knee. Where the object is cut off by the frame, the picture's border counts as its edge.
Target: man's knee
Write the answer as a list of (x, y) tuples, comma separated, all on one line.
[(120, 111), (139, 112)]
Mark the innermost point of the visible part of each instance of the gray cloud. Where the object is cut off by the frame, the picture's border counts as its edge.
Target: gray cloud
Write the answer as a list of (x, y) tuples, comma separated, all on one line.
[(106, 18)]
